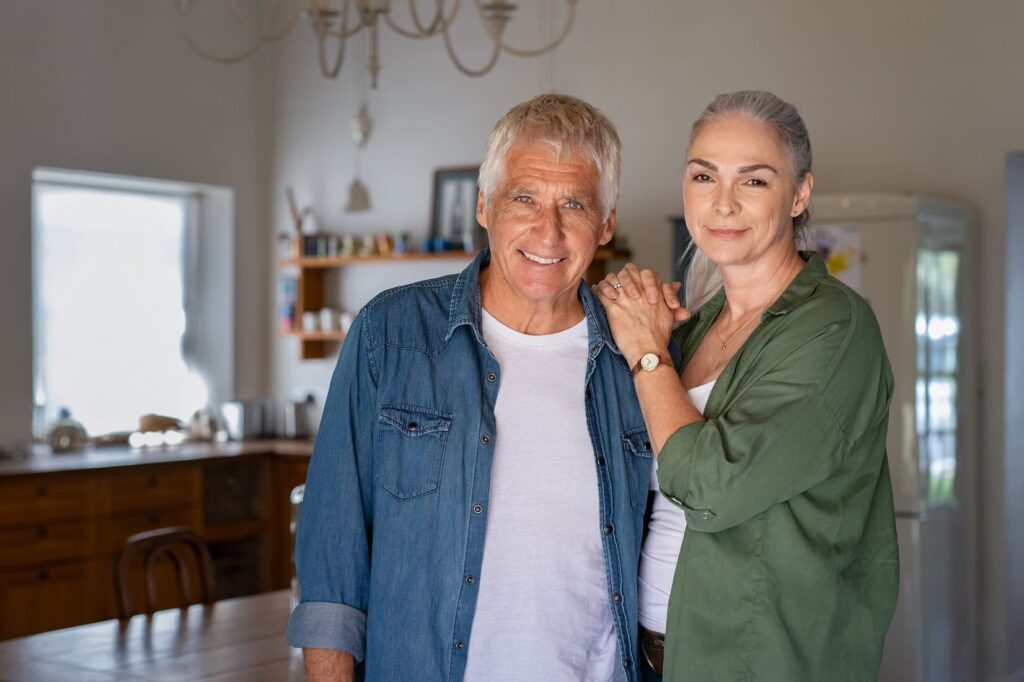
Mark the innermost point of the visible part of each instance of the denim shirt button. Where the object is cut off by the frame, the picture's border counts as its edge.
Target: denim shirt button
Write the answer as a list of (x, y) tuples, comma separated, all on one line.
[(477, 509), (608, 529), (485, 439), (600, 461), (470, 580), (627, 663), (617, 597), (596, 347), (459, 645), (492, 377)]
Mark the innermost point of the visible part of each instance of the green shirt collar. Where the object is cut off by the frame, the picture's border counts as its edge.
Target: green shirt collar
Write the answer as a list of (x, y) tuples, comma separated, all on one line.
[(798, 290)]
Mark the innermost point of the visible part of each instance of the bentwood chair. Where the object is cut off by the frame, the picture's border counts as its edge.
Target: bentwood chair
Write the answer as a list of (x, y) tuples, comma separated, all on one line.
[(176, 543)]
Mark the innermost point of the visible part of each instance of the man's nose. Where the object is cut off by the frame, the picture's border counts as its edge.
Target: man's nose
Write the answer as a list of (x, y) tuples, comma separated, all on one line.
[(549, 225)]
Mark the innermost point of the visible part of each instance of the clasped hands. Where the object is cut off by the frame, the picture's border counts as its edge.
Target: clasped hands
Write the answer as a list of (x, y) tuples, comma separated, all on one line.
[(641, 310)]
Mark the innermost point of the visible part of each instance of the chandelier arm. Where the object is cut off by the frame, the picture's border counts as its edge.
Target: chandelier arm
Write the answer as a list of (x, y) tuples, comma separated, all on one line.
[(462, 67), (339, 60), (555, 43), (344, 32), (403, 31), (439, 19), (258, 32), (186, 32)]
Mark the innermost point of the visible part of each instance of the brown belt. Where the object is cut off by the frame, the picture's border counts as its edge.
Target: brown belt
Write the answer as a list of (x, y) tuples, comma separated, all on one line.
[(652, 647)]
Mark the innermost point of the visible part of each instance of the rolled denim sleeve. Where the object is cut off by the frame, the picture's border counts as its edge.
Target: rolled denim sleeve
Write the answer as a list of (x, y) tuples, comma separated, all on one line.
[(332, 547)]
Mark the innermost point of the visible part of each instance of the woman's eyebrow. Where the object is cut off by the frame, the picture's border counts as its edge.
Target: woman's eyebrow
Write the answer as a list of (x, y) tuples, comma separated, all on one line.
[(756, 167), (704, 163)]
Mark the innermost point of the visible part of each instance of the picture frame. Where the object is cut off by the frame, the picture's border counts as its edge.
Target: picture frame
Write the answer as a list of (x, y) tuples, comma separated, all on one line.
[(453, 224)]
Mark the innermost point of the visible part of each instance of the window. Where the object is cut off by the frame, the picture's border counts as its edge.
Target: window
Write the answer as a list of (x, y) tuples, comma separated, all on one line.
[(114, 263)]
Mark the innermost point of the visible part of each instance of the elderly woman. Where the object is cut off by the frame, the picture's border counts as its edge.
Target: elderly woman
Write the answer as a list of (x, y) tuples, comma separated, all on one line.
[(771, 551)]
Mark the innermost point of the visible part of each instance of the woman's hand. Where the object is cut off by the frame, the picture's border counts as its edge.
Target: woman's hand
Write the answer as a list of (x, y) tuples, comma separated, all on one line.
[(641, 310)]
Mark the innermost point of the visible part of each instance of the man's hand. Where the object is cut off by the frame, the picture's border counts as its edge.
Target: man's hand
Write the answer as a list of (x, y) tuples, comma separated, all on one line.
[(327, 665)]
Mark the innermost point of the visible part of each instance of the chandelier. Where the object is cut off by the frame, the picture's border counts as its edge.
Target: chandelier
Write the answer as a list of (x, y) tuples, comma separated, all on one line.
[(334, 22)]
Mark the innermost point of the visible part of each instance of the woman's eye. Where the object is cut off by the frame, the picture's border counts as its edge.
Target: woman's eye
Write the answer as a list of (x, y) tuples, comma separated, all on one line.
[(702, 177), (757, 182)]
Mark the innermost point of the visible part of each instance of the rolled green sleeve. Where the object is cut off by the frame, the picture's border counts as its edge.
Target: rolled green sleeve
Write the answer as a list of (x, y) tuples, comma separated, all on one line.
[(777, 442)]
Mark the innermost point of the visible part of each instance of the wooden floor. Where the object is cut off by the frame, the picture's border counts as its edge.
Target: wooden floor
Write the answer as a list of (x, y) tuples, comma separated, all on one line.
[(234, 640)]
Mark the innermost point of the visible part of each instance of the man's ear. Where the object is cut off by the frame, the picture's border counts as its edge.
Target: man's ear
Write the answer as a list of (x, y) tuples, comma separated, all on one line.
[(481, 209), (607, 229)]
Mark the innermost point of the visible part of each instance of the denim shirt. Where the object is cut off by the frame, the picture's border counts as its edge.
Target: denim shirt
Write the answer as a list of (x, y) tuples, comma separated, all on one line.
[(391, 535)]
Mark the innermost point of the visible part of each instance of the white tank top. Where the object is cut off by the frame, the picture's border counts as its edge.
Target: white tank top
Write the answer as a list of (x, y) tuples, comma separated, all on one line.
[(660, 552)]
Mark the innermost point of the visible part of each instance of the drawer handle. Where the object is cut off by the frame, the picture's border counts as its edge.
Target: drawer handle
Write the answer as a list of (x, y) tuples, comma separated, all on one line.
[(42, 532), (42, 491), (44, 574)]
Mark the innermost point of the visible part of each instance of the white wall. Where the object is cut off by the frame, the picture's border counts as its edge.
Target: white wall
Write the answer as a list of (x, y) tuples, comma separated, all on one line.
[(107, 85), (911, 95)]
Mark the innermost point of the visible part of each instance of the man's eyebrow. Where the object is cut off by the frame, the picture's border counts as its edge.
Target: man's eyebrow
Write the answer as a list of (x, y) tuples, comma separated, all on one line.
[(704, 163)]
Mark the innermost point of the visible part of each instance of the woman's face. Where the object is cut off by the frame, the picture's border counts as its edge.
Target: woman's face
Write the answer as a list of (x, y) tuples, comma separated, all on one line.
[(739, 193)]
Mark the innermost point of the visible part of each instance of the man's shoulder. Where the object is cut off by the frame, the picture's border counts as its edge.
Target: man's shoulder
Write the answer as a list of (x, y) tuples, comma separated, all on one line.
[(411, 312)]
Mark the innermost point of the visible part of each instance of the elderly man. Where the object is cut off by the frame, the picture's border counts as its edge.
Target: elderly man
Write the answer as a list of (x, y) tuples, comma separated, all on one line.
[(475, 500)]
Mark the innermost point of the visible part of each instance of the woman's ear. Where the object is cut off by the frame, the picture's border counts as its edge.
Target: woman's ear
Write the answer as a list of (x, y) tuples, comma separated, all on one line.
[(802, 198)]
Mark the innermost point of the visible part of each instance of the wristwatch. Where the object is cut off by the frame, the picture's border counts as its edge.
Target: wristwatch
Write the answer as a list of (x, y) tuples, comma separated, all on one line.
[(648, 362)]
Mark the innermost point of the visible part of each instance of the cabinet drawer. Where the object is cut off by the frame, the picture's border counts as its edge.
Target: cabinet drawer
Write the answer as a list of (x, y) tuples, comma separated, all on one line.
[(44, 542), (42, 498), (114, 531), (46, 598), (151, 488)]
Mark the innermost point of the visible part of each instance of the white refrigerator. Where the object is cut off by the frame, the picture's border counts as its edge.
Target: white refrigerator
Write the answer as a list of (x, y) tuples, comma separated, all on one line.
[(909, 256)]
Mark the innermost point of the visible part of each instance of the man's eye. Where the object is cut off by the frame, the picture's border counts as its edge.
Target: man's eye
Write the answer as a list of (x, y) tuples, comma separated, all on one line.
[(573, 204), (523, 199)]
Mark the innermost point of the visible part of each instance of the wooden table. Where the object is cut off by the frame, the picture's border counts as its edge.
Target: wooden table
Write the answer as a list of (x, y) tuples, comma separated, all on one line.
[(236, 639)]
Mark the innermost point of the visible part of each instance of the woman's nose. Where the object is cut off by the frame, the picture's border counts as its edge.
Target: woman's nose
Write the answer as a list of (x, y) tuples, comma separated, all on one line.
[(725, 202)]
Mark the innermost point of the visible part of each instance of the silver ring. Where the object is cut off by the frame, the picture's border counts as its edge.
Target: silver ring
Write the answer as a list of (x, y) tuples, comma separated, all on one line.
[(616, 285)]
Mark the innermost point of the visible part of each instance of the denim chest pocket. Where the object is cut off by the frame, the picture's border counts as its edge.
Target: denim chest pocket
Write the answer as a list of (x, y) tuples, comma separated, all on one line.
[(639, 460), (410, 449)]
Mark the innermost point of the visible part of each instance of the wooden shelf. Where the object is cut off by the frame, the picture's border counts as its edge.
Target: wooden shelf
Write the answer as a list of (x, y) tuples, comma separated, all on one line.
[(338, 261), (316, 336), (310, 294)]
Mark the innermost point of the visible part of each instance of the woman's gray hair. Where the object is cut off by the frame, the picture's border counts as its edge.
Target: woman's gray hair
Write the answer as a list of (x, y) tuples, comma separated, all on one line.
[(702, 277), (569, 125)]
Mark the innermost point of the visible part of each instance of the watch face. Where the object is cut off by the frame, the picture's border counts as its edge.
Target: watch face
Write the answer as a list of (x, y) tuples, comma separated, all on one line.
[(649, 361)]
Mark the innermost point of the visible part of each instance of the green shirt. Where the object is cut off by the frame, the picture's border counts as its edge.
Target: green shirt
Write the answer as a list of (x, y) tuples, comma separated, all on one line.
[(789, 566)]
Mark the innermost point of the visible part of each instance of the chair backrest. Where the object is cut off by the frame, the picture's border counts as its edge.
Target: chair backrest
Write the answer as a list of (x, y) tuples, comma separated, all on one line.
[(151, 545)]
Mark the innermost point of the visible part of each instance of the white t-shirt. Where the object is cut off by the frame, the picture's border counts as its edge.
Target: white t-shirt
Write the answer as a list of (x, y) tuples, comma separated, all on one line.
[(660, 551), (543, 611)]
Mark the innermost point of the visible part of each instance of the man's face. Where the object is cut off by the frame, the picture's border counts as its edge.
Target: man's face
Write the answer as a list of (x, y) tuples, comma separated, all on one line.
[(544, 223)]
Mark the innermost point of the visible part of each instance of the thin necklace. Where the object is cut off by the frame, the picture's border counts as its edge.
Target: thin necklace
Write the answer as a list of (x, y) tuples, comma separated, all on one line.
[(725, 342)]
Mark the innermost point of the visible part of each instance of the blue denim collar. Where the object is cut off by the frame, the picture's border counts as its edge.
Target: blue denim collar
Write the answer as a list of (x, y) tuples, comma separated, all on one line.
[(465, 307)]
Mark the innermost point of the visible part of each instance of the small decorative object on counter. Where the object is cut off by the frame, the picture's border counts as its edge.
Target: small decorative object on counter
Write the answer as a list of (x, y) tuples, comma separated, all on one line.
[(348, 245), (404, 243), (385, 244), (310, 321), (66, 434)]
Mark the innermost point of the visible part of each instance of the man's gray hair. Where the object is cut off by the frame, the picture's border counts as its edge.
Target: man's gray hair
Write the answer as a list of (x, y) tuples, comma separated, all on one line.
[(702, 277), (569, 125)]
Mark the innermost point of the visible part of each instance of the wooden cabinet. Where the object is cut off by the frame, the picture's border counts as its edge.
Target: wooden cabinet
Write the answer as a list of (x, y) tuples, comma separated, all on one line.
[(60, 532), (289, 472), (47, 597)]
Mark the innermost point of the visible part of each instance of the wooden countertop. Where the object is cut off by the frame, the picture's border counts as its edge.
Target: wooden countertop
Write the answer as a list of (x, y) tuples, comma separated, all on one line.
[(237, 639), (42, 462)]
